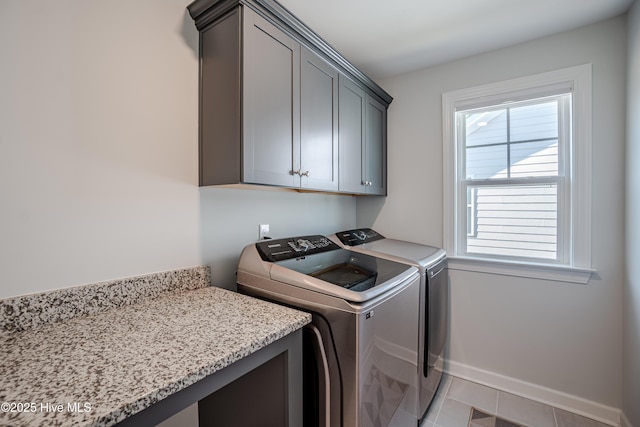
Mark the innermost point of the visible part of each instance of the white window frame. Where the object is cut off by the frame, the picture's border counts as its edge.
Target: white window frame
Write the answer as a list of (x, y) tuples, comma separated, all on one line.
[(577, 264)]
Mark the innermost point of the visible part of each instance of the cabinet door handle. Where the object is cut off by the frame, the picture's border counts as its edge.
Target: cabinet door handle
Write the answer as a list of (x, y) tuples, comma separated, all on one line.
[(305, 174)]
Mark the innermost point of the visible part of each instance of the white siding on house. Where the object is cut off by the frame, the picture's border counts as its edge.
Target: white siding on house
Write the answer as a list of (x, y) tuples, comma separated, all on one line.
[(516, 221)]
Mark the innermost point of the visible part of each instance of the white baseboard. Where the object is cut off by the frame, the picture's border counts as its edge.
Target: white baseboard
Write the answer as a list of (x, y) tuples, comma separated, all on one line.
[(597, 411), (624, 421)]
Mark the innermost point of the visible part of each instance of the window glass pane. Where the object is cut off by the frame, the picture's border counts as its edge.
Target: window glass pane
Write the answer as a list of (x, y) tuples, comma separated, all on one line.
[(532, 122), (487, 162), (515, 141), (538, 158), (515, 221), (488, 127)]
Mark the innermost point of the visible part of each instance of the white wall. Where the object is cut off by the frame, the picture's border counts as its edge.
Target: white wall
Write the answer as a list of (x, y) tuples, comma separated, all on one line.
[(98, 151), (631, 366), (550, 340)]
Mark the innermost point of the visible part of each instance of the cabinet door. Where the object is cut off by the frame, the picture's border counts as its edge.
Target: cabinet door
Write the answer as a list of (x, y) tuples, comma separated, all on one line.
[(220, 119), (375, 156), (318, 123), (271, 102), (352, 136)]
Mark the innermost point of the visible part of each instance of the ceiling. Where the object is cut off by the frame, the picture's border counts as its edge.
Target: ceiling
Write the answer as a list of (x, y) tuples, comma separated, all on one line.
[(385, 38)]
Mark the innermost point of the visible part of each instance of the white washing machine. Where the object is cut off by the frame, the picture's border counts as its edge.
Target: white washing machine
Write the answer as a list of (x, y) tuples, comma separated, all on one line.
[(434, 298), (360, 351)]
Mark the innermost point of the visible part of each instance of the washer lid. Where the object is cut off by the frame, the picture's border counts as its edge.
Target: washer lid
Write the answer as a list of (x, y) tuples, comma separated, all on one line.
[(353, 276), (406, 250)]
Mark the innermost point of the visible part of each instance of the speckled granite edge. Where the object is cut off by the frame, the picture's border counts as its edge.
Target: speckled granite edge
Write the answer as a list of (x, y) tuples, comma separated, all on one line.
[(123, 361), (28, 311)]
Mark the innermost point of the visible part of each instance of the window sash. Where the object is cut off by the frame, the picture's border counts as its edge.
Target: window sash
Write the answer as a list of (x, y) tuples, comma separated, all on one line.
[(561, 234), (531, 251)]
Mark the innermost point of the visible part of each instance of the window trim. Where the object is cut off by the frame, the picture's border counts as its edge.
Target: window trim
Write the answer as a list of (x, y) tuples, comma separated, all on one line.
[(578, 79)]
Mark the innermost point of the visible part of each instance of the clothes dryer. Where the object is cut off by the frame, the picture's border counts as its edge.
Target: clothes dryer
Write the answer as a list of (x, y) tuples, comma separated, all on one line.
[(434, 298)]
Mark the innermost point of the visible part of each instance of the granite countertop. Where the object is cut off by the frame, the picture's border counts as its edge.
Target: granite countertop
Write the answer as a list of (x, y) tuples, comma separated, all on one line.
[(99, 369)]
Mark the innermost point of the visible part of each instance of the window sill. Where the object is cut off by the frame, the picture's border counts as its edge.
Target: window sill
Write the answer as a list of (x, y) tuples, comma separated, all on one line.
[(557, 273)]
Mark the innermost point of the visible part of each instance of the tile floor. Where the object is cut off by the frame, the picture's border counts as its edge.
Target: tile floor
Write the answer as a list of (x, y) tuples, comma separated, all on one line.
[(455, 397)]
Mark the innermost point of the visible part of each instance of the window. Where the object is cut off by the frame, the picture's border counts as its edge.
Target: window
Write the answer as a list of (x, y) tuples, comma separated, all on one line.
[(513, 159), (517, 176)]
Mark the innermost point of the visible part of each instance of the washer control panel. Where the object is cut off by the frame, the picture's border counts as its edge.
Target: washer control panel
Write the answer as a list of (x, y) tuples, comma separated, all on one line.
[(359, 236), (294, 247)]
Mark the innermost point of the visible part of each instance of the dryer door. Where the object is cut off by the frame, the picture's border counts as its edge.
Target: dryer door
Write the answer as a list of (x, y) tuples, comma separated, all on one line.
[(438, 301)]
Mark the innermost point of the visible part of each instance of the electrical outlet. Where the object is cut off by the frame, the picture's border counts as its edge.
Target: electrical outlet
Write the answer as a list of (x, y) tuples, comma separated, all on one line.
[(263, 231)]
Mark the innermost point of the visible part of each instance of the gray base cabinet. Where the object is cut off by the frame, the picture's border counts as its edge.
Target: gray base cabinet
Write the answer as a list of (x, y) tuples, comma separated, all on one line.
[(271, 107), (258, 398), (262, 389)]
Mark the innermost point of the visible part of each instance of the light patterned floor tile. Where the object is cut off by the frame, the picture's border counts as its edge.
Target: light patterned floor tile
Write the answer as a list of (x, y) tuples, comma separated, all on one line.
[(525, 411), (473, 394), (453, 414), (568, 419)]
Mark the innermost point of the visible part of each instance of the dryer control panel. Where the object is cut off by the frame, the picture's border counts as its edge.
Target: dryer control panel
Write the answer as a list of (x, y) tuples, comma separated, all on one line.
[(358, 236), (294, 247)]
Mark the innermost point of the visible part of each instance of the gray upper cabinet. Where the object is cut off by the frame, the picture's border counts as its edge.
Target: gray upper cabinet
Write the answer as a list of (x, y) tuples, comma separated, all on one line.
[(363, 141), (319, 123), (271, 103), (220, 119), (374, 159), (249, 102), (280, 107), (352, 131)]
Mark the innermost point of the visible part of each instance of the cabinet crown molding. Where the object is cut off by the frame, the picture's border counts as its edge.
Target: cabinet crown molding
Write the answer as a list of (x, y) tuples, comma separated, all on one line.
[(204, 12)]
